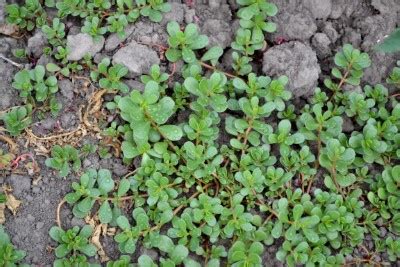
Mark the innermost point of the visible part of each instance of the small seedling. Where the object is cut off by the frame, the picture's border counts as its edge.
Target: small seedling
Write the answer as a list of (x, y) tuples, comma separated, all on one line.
[(9, 255), (109, 77), (55, 34), (61, 157), (17, 119), (73, 242), (184, 43), (34, 85), (92, 27), (28, 16)]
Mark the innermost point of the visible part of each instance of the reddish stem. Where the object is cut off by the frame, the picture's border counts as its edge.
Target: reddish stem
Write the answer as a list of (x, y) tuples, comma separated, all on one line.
[(23, 157)]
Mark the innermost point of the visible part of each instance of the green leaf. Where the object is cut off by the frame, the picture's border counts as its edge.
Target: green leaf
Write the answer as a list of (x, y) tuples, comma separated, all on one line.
[(277, 230), (106, 183), (89, 250), (151, 92), (105, 213), (391, 44), (173, 28), (240, 84), (188, 55), (129, 150), (346, 180), (145, 261), (86, 231), (179, 253), (173, 55), (311, 235), (62, 250), (55, 233), (171, 132), (164, 243), (213, 54), (162, 111), (297, 212), (51, 67), (123, 223), (123, 187)]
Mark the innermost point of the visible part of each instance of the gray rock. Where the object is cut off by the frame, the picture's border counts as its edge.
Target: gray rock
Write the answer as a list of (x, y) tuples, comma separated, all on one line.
[(152, 253), (20, 184), (39, 225), (86, 163), (3, 4), (189, 16), (320, 43), (149, 33), (386, 6), (119, 169), (330, 31), (375, 28), (177, 14), (134, 84), (338, 7), (48, 123), (320, 9), (382, 231), (36, 190), (99, 57), (227, 59), (82, 44), (298, 62), (136, 57), (36, 44), (91, 161), (381, 66), (74, 29), (114, 40), (66, 88), (68, 120), (44, 59), (349, 258), (345, 7), (351, 36), (8, 94), (233, 4), (6, 44), (347, 126), (295, 26), (214, 3), (30, 217), (219, 32), (77, 222)]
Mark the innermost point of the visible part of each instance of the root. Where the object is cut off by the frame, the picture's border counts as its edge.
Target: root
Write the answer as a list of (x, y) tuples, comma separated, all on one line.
[(129, 174), (13, 146), (58, 217), (51, 137), (75, 135), (8, 109), (12, 62), (215, 69), (94, 105)]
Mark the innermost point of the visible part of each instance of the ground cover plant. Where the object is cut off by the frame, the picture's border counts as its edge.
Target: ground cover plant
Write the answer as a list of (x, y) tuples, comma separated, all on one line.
[(242, 170)]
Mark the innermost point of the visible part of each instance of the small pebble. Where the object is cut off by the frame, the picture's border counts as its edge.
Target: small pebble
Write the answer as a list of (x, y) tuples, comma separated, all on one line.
[(382, 231), (39, 225), (30, 217), (36, 190)]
